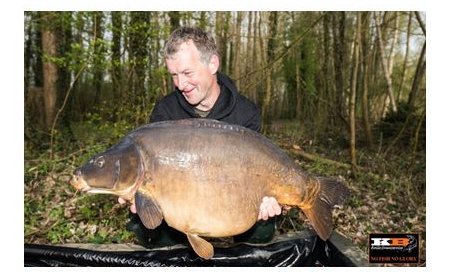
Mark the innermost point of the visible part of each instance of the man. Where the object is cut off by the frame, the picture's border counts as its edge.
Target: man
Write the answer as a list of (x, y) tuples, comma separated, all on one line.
[(202, 92)]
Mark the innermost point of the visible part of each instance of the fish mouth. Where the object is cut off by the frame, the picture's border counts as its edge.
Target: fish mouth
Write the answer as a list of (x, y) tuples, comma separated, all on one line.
[(79, 184)]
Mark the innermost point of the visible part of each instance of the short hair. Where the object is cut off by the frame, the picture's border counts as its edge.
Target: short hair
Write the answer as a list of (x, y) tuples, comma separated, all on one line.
[(203, 41)]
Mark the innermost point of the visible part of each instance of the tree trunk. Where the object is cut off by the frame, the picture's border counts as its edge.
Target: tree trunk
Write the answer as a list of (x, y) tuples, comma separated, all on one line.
[(298, 92), (339, 58), (116, 18), (81, 102), (237, 48), (271, 46), (116, 62), (405, 60), (385, 64), (420, 72), (327, 68), (222, 39), (249, 60), (365, 43), (49, 68), (255, 58), (352, 100), (37, 65), (99, 50), (65, 41), (27, 53), (228, 42), (419, 20), (394, 42), (261, 44), (139, 56)]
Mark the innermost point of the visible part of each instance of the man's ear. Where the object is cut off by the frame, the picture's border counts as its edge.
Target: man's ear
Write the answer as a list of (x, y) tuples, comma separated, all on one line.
[(214, 64)]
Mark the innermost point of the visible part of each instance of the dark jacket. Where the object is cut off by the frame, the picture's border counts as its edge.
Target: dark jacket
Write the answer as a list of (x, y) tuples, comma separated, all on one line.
[(230, 107)]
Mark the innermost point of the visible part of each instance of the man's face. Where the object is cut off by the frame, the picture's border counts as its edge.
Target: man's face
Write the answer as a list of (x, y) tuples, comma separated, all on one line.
[(190, 75)]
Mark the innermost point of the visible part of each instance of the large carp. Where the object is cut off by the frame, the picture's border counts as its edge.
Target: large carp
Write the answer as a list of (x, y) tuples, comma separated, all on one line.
[(206, 178)]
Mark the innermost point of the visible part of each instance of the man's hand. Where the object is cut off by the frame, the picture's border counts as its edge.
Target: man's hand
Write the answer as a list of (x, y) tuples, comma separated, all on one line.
[(132, 207), (269, 208)]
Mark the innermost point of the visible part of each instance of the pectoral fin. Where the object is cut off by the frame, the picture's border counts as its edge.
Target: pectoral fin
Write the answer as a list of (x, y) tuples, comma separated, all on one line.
[(202, 247), (148, 210)]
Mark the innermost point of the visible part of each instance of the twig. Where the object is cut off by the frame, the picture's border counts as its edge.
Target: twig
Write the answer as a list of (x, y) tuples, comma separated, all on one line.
[(292, 223), (52, 134), (318, 158)]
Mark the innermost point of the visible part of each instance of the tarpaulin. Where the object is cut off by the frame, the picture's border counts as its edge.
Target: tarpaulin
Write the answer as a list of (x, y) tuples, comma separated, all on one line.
[(294, 249)]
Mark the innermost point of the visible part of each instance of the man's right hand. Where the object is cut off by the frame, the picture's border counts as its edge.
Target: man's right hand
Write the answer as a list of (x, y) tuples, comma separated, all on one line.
[(132, 207)]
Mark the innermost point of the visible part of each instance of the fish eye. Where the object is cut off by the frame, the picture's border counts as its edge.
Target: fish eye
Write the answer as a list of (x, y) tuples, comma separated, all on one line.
[(100, 162)]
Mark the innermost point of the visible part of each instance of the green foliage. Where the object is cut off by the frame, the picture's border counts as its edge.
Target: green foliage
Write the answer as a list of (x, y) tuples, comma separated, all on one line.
[(95, 130)]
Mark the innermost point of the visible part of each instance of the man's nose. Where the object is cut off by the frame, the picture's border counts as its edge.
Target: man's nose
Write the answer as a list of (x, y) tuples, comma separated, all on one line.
[(182, 82)]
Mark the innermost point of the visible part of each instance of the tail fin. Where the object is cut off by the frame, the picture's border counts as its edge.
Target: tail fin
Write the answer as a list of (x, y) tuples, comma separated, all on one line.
[(331, 193)]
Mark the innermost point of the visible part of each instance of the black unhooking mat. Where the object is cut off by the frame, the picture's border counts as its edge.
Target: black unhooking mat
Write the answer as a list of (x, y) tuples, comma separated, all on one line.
[(299, 249)]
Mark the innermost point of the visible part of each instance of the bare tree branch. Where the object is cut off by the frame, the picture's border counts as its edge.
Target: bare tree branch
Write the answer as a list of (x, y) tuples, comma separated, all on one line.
[(422, 25)]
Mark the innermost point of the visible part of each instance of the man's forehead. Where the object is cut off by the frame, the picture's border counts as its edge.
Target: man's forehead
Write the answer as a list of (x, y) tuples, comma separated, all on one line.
[(177, 64), (185, 58), (184, 46)]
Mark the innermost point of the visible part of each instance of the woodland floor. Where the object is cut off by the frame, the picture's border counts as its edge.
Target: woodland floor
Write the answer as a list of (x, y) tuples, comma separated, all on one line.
[(387, 196)]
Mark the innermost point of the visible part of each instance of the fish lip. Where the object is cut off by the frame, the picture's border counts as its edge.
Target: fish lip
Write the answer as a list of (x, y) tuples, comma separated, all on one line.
[(86, 189), (79, 183)]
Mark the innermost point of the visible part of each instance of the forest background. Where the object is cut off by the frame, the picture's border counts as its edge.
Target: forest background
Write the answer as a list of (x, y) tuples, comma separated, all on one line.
[(344, 93)]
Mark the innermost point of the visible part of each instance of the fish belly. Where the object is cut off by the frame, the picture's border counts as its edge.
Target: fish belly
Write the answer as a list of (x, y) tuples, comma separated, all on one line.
[(208, 208)]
